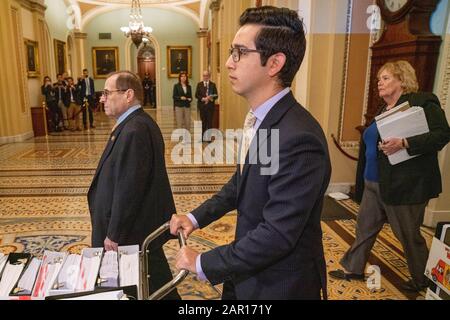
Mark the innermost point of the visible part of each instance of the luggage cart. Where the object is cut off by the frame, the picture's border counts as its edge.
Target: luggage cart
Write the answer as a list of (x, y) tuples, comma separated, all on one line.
[(143, 290)]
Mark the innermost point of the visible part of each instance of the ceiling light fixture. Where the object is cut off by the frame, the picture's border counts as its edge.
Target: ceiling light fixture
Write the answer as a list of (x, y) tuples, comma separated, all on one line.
[(136, 28)]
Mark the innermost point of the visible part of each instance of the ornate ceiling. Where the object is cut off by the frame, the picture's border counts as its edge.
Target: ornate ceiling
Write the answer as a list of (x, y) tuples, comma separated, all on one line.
[(195, 9), (103, 2)]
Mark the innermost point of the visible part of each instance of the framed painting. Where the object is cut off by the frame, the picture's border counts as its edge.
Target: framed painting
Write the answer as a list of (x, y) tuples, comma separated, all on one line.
[(60, 56), (104, 61), (32, 55), (179, 58)]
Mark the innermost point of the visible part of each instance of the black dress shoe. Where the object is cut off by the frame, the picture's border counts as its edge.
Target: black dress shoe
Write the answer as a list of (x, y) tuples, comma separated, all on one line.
[(411, 286), (341, 275)]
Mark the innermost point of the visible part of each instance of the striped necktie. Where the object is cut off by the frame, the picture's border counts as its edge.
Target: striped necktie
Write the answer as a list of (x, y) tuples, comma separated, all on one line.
[(247, 137)]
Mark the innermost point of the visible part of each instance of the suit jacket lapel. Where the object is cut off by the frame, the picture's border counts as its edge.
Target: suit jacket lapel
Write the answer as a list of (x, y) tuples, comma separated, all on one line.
[(112, 141), (272, 118)]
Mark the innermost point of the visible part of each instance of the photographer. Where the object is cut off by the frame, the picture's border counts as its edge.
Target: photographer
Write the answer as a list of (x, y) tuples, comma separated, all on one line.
[(48, 91), (61, 92), (72, 102)]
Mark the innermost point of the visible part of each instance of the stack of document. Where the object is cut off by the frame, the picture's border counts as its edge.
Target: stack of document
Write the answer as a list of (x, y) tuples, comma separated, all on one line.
[(26, 282), (68, 276), (90, 265), (129, 265), (12, 271), (109, 270), (402, 121), (51, 265), (10, 276)]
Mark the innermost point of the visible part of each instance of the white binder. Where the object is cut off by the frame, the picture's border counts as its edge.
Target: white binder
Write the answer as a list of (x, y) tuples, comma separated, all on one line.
[(402, 124)]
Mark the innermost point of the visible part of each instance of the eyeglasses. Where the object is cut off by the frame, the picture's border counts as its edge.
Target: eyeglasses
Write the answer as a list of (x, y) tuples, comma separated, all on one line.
[(237, 52), (106, 93)]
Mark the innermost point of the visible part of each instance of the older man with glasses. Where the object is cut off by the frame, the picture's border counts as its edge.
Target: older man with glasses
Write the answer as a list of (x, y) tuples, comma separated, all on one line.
[(130, 195), (206, 94)]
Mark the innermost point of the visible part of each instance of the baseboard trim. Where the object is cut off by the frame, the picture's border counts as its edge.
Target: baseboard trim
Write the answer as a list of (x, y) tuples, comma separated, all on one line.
[(432, 217), (18, 138)]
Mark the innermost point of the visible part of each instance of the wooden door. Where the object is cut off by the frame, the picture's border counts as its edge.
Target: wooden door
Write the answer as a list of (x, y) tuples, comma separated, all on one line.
[(147, 65)]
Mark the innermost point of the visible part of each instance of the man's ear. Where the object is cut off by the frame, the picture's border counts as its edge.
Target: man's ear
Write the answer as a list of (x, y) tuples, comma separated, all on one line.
[(276, 62), (130, 95)]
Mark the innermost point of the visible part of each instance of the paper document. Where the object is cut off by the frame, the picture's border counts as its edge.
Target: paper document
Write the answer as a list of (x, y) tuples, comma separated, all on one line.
[(10, 276), (129, 266), (109, 270), (400, 108), (26, 283), (90, 265), (338, 196), (403, 124), (68, 276), (48, 272)]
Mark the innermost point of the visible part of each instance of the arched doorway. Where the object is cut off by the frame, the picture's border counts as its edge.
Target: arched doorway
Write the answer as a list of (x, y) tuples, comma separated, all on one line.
[(146, 64)]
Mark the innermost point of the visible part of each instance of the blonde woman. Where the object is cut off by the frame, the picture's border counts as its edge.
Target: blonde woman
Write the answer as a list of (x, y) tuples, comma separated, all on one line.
[(398, 194)]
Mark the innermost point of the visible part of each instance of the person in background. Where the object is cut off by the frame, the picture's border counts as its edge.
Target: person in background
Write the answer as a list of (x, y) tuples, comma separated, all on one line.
[(66, 78), (277, 252), (130, 195), (87, 94), (73, 105), (397, 194), (182, 98), (61, 91), (48, 91), (147, 84), (206, 94)]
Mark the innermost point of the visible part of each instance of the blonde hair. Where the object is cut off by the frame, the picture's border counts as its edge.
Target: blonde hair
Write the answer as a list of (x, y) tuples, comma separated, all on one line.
[(404, 72)]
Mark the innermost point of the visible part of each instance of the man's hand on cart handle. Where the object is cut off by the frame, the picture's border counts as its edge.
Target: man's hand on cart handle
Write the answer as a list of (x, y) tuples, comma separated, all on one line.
[(110, 245), (186, 259), (181, 222)]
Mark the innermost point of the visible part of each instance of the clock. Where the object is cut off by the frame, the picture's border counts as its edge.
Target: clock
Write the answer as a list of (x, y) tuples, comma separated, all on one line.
[(405, 35), (395, 10), (395, 5)]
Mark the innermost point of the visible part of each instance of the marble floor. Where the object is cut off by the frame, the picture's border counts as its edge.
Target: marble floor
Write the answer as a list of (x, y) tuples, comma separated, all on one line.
[(43, 206)]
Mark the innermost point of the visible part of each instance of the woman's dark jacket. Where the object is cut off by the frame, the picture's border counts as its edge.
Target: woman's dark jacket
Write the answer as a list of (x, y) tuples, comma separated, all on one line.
[(178, 92), (416, 180)]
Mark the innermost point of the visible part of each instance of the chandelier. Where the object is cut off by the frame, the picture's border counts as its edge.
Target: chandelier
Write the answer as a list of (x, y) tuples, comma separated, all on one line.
[(136, 29)]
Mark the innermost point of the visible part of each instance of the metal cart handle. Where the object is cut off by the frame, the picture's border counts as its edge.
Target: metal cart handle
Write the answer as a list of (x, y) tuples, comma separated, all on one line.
[(167, 288)]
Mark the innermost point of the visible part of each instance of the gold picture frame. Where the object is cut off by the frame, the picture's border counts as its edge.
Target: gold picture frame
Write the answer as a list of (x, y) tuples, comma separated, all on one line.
[(104, 61), (32, 55), (60, 56), (179, 58)]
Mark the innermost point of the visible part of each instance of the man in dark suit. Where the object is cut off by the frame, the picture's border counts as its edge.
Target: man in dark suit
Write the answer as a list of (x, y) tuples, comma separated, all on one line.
[(206, 94), (87, 93), (147, 84), (61, 93), (277, 252), (130, 195)]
